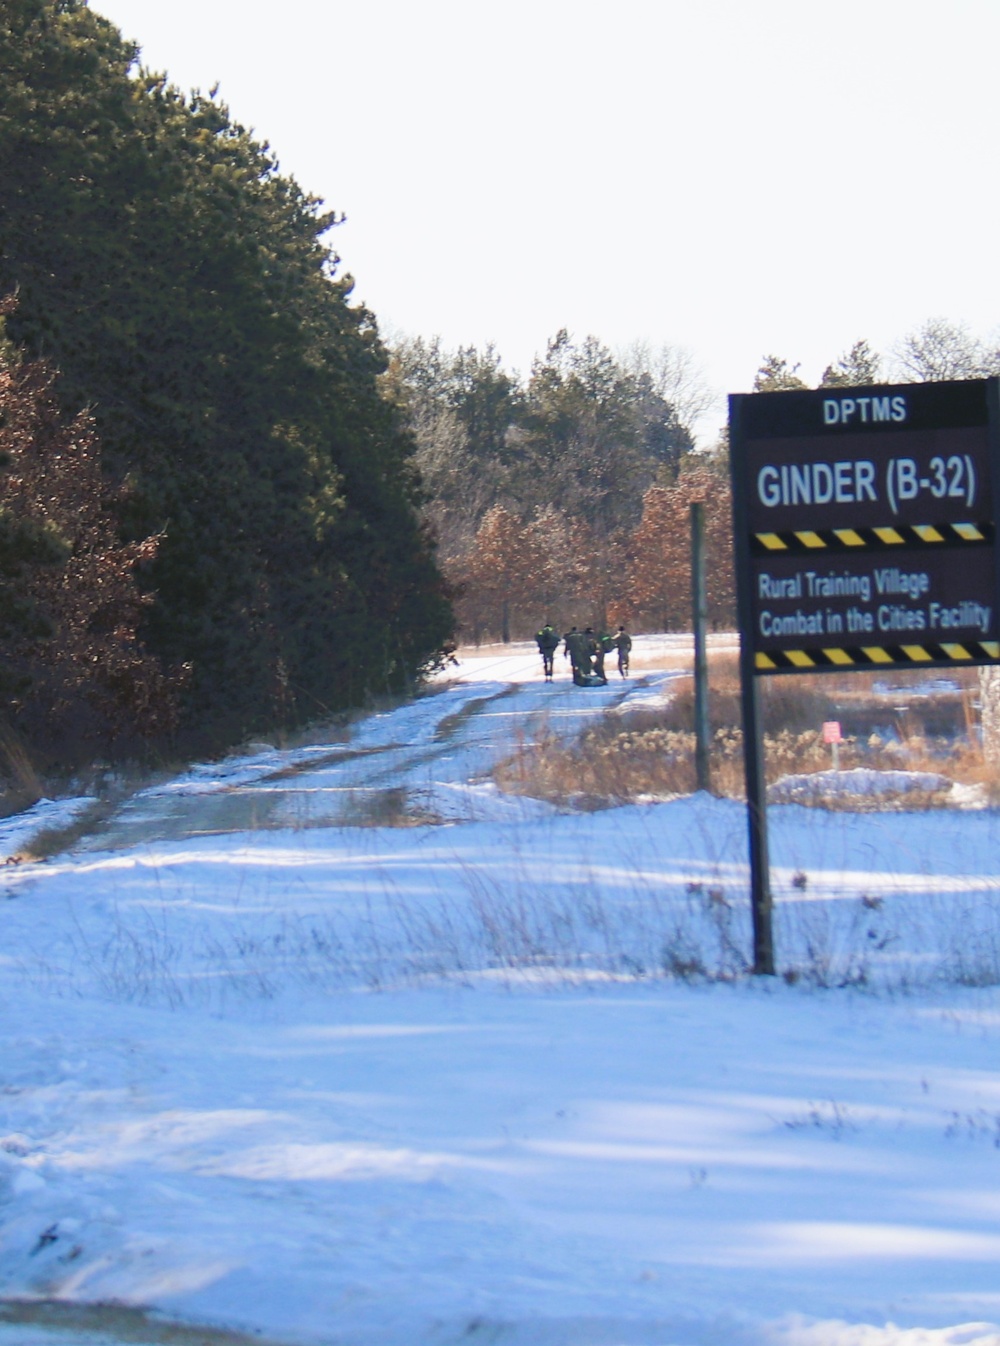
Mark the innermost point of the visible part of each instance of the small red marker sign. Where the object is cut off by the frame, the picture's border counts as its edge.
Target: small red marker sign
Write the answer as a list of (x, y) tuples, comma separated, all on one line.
[(831, 731)]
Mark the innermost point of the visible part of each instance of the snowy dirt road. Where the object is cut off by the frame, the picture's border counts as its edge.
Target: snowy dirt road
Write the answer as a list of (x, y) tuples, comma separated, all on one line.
[(342, 1045), (414, 759)]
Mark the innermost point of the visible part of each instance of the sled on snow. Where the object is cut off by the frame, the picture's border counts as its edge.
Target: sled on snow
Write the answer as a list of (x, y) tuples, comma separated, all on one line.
[(589, 680)]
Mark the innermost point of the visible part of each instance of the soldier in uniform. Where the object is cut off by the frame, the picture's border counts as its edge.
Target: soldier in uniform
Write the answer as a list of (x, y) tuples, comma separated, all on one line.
[(548, 643), (576, 652), (624, 642), (603, 645)]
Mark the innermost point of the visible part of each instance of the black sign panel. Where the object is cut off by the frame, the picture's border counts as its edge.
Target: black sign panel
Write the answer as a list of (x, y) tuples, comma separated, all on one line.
[(869, 479), (865, 525)]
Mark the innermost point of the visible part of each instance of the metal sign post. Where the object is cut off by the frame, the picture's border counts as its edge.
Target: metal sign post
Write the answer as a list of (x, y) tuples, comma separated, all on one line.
[(865, 532), (699, 602)]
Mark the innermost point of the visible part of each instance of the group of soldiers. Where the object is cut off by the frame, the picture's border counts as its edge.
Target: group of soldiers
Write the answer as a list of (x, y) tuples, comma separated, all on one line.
[(586, 651)]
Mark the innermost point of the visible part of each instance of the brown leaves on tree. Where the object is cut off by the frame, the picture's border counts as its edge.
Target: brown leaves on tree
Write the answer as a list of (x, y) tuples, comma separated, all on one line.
[(500, 572), (660, 572), (73, 676), (557, 567)]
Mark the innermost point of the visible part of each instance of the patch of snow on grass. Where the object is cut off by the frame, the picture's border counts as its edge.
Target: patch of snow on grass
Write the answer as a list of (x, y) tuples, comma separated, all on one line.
[(18, 831), (860, 782)]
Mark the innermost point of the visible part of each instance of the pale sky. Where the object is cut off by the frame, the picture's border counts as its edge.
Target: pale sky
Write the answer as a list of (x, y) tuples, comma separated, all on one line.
[(739, 177)]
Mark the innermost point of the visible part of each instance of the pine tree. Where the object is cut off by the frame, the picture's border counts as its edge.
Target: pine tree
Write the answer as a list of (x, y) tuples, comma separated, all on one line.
[(776, 375), (860, 366), (184, 289)]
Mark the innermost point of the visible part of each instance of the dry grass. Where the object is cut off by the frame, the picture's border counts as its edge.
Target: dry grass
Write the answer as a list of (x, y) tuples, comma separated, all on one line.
[(911, 724), (605, 766), (55, 840), (722, 650), (112, 1321)]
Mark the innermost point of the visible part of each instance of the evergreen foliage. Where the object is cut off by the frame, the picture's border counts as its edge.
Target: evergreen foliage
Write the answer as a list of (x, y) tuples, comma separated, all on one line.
[(585, 435), (776, 375), (596, 435), (534, 487), (859, 367), (182, 286)]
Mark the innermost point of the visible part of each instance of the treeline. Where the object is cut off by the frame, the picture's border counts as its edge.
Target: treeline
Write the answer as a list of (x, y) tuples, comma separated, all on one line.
[(225, 507), (565, 496), (935, 351), (181, 327)]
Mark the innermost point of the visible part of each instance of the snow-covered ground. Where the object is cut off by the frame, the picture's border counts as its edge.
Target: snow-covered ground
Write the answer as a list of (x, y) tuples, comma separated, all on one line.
[(340, 1045)]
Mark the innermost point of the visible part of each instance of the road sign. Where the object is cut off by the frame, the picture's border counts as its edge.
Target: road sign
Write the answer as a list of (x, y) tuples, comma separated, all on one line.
[(864, 532), (865, 526)]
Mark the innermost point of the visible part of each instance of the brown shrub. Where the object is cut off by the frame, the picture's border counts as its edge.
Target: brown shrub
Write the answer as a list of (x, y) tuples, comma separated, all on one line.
[(74, 679)]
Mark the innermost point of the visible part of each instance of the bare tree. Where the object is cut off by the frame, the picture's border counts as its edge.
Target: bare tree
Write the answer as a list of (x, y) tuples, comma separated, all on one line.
[(456, 496), (940, 350), (458, 405), (675, 376), (945, 350)]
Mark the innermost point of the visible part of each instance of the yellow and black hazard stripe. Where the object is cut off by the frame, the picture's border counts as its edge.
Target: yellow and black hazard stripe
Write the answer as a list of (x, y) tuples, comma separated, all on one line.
[(873, 656), (873, 539)]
